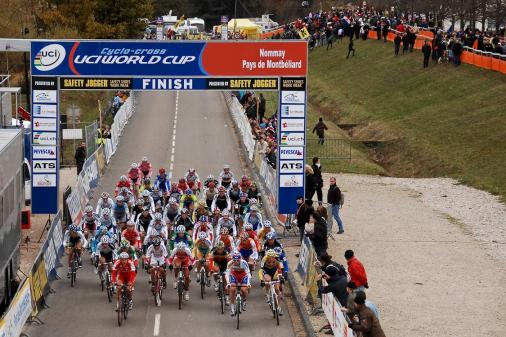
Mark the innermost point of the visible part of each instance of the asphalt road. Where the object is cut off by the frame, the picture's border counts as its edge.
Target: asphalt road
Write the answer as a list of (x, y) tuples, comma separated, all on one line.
[(204, 139)]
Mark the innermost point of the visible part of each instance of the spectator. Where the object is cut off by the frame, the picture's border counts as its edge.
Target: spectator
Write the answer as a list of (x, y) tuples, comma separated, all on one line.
[(310, 182), (106, 133), (80, 157), (349, 308), (350, 49), (302, 215), (405, 44), (334, 200), (368, 324), (261, 107), (397, 44), (317, 179), (117, 102), (329, 35), (384, 30), (336, 283), (457, 51), (378, 31), (426, 50), (356, 270), (318, 234), (320, 128), (411, 39)]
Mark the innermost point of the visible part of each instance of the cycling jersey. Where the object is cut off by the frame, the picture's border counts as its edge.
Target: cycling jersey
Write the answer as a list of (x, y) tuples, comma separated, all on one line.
[(187, 223), (156, 255), (221, 202), (120, 212), (71, 239), (268, 246), (176, 239), (208, 180), (228, 241), (134, 174), (162, 182), (229, 224), (101, 205), (233, 194), (187, 200), (219, 258), (105, 250), (238, 274), (124, 272), (146, 168), (143, 222), (171, 212), (263, 232), (192, 180), (256, 221), (252, 234), (209, 194), (153, 232), (248, 249), (89, 222), (203, 227), (201, 249), (184, 256), (270, 266), (243, 206), (132, 236)]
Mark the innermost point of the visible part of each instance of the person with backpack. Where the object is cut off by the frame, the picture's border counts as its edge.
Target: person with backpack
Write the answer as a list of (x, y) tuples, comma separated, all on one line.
[(335, 198)]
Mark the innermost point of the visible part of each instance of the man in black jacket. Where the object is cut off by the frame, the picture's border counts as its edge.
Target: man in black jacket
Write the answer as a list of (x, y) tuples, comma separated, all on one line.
[(336, 283), (320, 128), (303, 214), (80, 157), (405, 44), (318, 180), (426, 50), (319, 235), (334, 200), (397, 44), (457, 51)]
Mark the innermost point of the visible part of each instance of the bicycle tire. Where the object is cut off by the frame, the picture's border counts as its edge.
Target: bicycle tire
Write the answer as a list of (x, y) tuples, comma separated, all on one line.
[(238, 306), (126, 306), (120, 314), (202, 282), (221, 293), (276, 309), (73, 271), (180, 293)]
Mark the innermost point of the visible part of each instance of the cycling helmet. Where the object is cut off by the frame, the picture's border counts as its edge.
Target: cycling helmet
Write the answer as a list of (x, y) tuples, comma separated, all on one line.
[(180, 245), (278, 250), (123, 178), (226, 167), (225, 212), (188, 191), (191, 170), (144, 159), (104, 239), (182, 181), (236, 256), (124, 244), (130, 223), (270, 236), (248, 226), (158, 216), (211, 184), (203, 218), (161, 170), (220, 244), (224, 230), (235, 183), (172, 200), (221, 189), (180, 229), (243, 195), (105, 195), (253, 201), (106, 211), (202, 235), (134, 165), (88, 209), (210, 177), (140, 202), (244, 177), (271, 253), (73, 228), (145, 193), (124, 256), (123, 190), (120, 198), (244, 236), (253, 209), (184, 211), (145, 209), (157, 241), (267, 224)]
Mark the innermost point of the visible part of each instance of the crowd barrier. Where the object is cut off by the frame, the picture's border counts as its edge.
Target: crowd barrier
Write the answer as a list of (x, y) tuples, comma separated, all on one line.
[(331, 307), (241, 122), (31, 294), (120, 120)]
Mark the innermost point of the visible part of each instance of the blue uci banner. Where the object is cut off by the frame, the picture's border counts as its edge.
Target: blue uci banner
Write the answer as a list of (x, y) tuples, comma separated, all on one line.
[(111, 58)]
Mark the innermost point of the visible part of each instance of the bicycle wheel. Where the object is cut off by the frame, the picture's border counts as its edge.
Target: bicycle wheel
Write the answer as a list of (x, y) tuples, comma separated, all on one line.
[(180, 293), (73, 271), (158, 290), (202, 282), (109, 291), (221, 294), (276, 309), (126, 306), (238, 309), (102, 280), (120, 313)]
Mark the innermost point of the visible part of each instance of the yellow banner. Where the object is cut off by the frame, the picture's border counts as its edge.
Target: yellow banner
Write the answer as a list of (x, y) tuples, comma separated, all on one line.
[(304, 34), (38, 282)]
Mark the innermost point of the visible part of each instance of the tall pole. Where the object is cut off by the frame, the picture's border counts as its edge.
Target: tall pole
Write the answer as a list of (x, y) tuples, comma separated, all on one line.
[(235, 10)]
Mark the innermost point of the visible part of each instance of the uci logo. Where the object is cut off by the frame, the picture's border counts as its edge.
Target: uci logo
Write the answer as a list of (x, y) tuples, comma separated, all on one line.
[(49, 57)]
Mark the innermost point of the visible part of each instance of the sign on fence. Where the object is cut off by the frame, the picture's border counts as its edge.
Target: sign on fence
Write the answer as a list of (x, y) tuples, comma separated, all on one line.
[(20, 309)]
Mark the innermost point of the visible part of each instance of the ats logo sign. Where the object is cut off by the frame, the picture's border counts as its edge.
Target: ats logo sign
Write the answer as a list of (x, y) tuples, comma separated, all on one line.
[(49, 57)]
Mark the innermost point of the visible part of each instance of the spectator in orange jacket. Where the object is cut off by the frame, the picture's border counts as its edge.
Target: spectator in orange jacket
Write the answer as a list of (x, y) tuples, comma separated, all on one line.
[(356, 270)]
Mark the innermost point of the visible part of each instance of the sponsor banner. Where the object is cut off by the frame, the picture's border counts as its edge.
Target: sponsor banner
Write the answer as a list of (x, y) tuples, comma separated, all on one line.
[(44, 110), (292, 139), (291, 166), (242, 83), (72, 133), (43, 152), (304, 258), (291, 180), (292, 125), (18, 312), (158, 83), (44, 138), (89, 83), (43, 180), (295, 152), (332, 309), (38, 283), (292, 111), (45, 124), (44, 166), (44, 83), (293, 83), (224, 19), (44, 96), (293, 97), (188, 58)]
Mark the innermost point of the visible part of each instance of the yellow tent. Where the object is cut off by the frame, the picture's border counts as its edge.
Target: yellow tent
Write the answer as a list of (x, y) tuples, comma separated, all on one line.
[(246, 27)]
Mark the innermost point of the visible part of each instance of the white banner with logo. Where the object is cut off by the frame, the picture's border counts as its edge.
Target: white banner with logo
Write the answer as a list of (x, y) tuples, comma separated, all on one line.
[(337, 320), (120, 120), (242, 123), (20, 309)]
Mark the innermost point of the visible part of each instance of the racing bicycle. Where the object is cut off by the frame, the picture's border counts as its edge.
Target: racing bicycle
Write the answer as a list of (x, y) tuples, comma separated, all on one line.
[(123, 304), (273, 299), (157, 285)]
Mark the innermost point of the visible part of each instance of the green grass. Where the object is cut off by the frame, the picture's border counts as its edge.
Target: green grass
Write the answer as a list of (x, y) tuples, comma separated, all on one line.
[(440, 121)]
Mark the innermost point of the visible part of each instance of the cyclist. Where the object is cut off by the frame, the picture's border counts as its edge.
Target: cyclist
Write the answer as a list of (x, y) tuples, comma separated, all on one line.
[(157, 227), (203, 226), (192, 178), (145, 168), (226, 177), (238, 274), (188, 200), (143, 220), (156, 255), (128, 196), (248, 228), (234, 192), (245, 184), (243, 204), (215, 217), (266, 229), (105, 251), (218, 260), (171, 211), (137, 209), (182, 185), (225, 237), (253, 192), (135, 176), (146, 186), (123, 182), (89, 222), (201, 251), (74, 239), (201, 209), (100, 233), (162, 181), (247, 248), (282, 258), (181, 257), (270, 243), (209, 193), (132, 235), (120, 212), (175, 192), (157, 195), (254, 217), (227, 222), (123, 272), (180, 235), (221, 200), (271, 269), (108, 221), (184, 220), (147, 200), (104, 202), (210, 179)]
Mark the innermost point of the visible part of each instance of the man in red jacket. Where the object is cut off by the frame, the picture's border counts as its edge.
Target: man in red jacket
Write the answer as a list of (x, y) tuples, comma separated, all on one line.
[(356, 270)]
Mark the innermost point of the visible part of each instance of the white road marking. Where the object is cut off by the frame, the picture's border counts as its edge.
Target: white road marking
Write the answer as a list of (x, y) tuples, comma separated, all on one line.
[(156, 329), (173, 149)]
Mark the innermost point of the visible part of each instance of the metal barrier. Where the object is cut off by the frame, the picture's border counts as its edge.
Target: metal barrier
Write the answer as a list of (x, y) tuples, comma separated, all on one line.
[(331, 148), (90, 136)]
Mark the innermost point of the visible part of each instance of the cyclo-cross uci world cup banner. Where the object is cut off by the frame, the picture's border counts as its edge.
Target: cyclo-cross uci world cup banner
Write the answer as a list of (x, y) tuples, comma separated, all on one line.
[(192, 58)]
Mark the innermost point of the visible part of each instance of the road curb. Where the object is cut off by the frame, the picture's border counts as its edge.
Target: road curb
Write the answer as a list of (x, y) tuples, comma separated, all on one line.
[(271, 213)]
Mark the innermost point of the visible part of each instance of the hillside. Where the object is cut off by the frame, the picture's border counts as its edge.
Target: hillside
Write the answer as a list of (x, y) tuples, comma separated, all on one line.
[(440, 121)]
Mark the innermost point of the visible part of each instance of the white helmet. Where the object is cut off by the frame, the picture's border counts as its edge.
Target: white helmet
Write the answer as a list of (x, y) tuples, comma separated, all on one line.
[(225, 212), (158, 216), (180, 245), (120, 198), (144, 158), (88, 209), (267, 224), (104, 239), (248, 226), (180, 229), (134, 165), (106, 211), (145, 193), (105, 195), (202, 235), (124, 255)]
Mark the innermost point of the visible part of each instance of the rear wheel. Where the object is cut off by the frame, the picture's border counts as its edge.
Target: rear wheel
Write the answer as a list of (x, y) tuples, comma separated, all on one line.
[(276, 308), (202, 282), (126, 306), (238, 310), (180, 293), (120, 313)]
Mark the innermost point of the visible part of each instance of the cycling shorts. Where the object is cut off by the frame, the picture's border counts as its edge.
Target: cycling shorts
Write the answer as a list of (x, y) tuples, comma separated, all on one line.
[(107, 256), (272, 272), (125, 279), (246, 253), (74, 241), (91, 226), (238, 278), (182, 262), (221, 264), (157, 261)]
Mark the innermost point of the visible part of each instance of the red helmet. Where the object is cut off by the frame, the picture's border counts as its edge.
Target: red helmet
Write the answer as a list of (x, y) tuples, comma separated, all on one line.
[(211, 184), (161, 170), (182, 181)]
